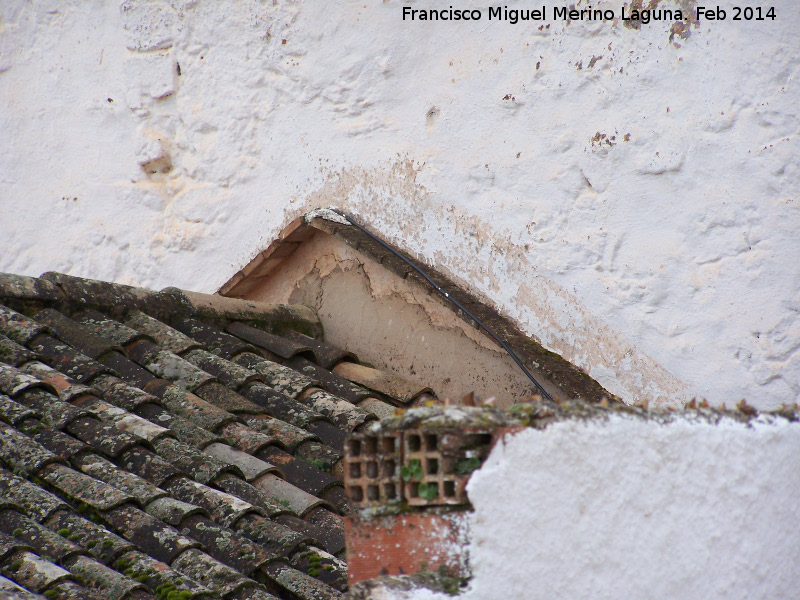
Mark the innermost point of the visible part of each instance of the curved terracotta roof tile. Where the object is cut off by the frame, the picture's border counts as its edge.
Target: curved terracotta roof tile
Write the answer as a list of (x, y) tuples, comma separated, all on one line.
[(203, 437)]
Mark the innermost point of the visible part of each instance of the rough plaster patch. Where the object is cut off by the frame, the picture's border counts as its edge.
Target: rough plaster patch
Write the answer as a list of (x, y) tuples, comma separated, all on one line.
[(148, 25)]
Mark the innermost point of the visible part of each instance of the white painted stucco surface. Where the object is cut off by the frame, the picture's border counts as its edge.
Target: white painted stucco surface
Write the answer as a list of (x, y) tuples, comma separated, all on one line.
[(628, 508), (666, 265)]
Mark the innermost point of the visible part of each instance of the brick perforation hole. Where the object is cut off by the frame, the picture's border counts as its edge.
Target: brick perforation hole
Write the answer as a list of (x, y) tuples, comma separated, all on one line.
[(422, 467), (372, 468)]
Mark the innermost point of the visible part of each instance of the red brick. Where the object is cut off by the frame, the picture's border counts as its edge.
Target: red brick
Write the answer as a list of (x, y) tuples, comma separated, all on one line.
[(404, 544)]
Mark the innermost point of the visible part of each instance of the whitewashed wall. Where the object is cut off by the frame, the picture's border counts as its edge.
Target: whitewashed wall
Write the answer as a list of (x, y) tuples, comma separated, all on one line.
[(631, 197)]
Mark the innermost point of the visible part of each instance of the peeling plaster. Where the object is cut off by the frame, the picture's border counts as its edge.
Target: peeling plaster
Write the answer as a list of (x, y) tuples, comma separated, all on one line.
[(392, 323)]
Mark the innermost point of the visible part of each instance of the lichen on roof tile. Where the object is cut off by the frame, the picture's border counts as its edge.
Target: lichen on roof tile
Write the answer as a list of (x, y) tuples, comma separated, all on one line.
[(333, 383), (281, 406), (172, 367), (107, 582), (59, 443), (122, 394), (154, 430), (341, 413), (249, 493), (14, 381), (10, 545), (276, 344), (128, 483), (113, 297), (228, 546), (159, 576), (67, 388), (18, 327), (101, 543), (35, 572), (23, 454), (55, 413), (23, 287), (223, 507), (13, 353), (277, 539), (246, 438), (66, 359), (11, 591), (281, 378), (302, 585), (110, 329), (76, 334), (38, 503), (82, 488), (45, 542), (228, 400), (173, 511), (165, 336), (218, 342), (230, 373), (211, 573), (149, 465), (106, 438), (250, 466), (193, 408), (124, 420), (200, 465), (14, 413), (283, 492), (156, 538)]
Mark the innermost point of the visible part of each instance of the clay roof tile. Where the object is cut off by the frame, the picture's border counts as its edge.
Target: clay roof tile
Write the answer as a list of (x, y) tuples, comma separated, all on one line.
[(333, 383), (59, 443), (14, 413), (104, 470), (218, 342), (202, 466), (230, 373), (104, 437), (34, 572), (14, 382), (38, 503), (66, 359), (109, 329), (327, 356), (113, 298), (276, 344), (18, 327), (159, 540), (281, 378), (13, 353), (165, 336), (76, 334), (101, 543), (180, 444), (82, 488), (23, 454)]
